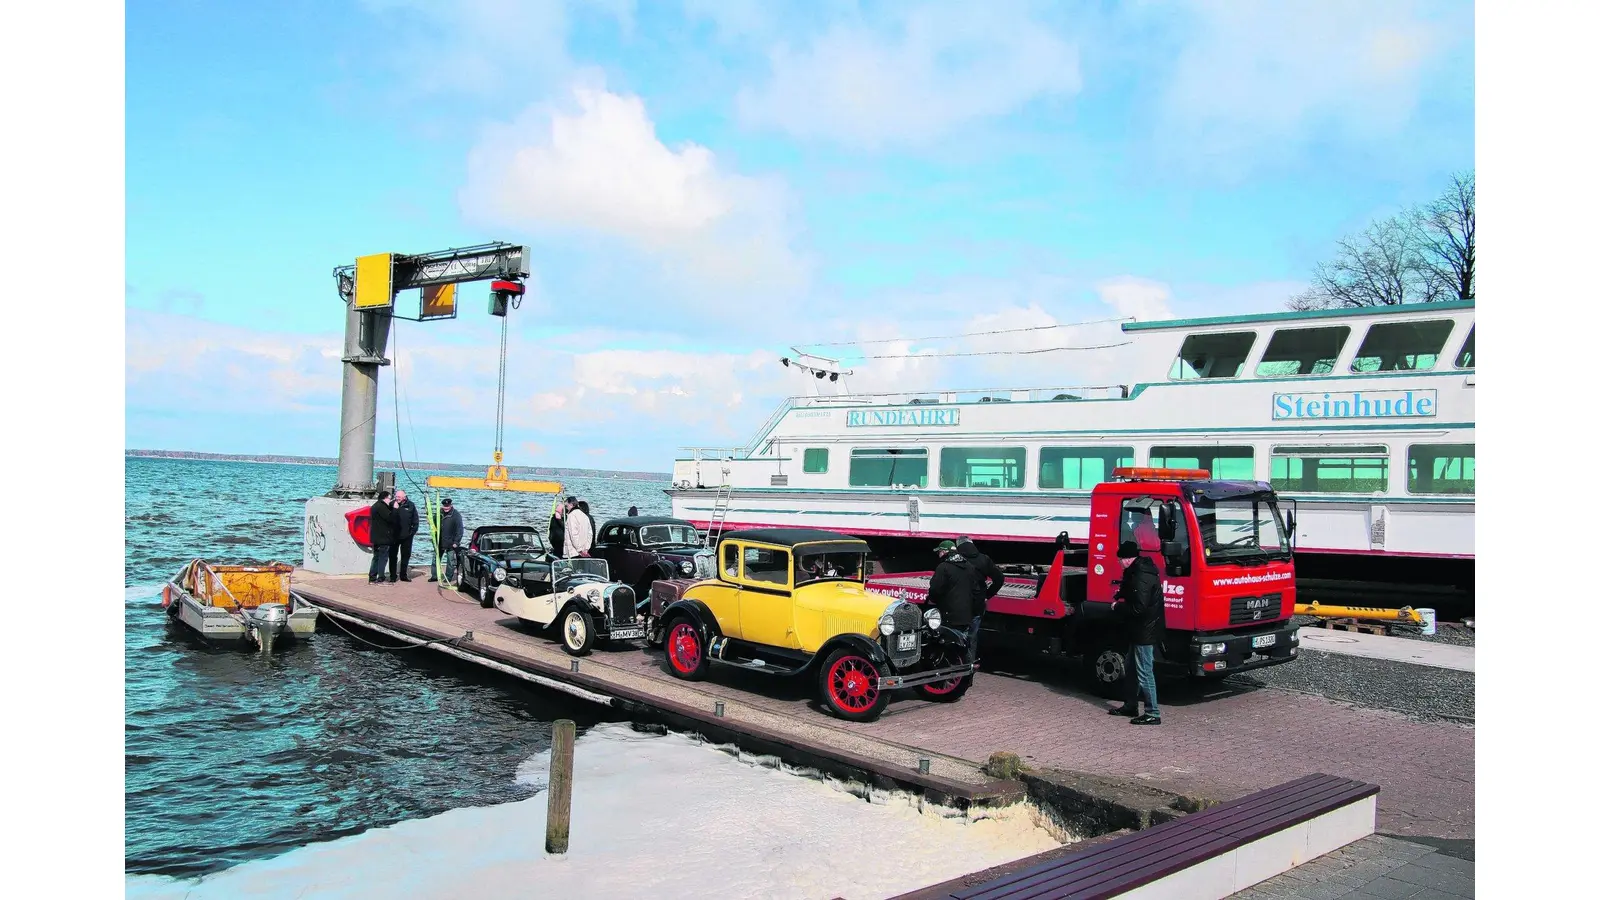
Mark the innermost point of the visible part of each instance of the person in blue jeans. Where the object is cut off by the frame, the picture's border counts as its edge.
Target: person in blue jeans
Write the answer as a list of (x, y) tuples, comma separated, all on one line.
[(990, 580), (1144, 612)]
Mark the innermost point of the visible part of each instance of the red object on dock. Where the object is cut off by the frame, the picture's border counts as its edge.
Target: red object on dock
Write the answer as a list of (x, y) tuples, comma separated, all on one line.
[(359, 521)]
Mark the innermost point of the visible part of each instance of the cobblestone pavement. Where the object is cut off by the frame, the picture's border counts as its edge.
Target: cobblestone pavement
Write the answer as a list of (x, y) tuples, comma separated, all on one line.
[(1374, 868), (1220, 741)]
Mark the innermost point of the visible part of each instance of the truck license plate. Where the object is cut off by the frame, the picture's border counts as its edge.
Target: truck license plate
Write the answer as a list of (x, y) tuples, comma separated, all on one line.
[(622, 634), (1265, 640), (905, 642)]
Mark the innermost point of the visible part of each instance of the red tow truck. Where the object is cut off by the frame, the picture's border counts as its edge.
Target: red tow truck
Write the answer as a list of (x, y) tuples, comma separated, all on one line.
[(1225, 554)]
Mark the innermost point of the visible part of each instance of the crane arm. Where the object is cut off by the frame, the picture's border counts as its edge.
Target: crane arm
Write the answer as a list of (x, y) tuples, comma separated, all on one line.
[(495, 260)]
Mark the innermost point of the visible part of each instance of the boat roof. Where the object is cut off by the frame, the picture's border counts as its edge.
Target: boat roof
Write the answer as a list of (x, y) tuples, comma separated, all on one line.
[(789, 537), (1442, 306)]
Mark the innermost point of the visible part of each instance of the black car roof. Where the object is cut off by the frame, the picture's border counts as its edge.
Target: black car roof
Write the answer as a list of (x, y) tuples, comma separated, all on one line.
[(636, 521), (493, 529), (788, 537)]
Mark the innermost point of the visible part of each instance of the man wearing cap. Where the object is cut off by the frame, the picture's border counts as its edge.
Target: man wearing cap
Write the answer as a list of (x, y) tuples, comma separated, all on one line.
[(953, 590), (450, 530), (1144, 613)]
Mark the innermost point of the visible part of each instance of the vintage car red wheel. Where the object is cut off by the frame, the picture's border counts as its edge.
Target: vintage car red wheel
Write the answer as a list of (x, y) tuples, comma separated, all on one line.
[(850, 686), (686, 654)]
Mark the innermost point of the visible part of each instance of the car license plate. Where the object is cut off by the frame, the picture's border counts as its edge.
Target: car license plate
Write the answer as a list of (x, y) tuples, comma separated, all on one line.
[(1265, 640), (622, 634), (905, 642)]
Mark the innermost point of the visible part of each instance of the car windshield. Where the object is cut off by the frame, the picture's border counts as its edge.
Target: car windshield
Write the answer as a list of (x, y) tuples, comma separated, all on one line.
[(563, 568), (505, 540), (668, 535), (1239, 527), (828, 566)]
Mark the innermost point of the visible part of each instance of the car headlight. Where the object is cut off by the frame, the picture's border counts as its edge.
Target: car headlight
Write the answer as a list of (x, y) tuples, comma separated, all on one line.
[(1213, 649), (932, 619), (686, 567), (886, 624), (500, 573)]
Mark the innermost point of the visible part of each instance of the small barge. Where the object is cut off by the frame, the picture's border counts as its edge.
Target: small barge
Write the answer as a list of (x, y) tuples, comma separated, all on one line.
[(238, 604)]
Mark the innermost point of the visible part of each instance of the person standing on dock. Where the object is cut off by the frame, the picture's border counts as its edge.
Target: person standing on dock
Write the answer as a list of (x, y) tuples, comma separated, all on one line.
[(955, 586), (580, 530), (1144, 611), (407, 526), (990, 580), (450, 531), (558, 528), (382, 524)]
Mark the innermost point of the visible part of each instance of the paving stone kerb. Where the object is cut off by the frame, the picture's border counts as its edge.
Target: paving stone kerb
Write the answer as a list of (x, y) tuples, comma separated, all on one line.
[(1208, 749)]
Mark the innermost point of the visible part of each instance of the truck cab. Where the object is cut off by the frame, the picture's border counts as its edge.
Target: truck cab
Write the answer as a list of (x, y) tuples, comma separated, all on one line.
[(1224, 553)]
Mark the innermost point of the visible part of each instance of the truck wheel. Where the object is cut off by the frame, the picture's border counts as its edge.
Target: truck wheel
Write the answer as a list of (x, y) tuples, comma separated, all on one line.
[(848, 683), (1106, 668), (686, 650), (944, 691), (577, 632)]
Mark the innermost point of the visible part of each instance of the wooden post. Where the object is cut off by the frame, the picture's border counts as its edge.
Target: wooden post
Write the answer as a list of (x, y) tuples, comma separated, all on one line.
[(559, 818)]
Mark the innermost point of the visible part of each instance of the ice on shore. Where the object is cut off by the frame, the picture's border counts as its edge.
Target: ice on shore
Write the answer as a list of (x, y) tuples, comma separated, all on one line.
[(656, 816)]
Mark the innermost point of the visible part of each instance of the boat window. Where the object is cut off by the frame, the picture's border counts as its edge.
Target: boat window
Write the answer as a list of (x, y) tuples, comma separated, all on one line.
[(1402, 346), (1302, 351), (816, 461), (889, 468), (1224, 463), (769, 566), (1464, 359), (1212, 356), (1331, 470), (1079, 468), (1442, 468), (981, 467)]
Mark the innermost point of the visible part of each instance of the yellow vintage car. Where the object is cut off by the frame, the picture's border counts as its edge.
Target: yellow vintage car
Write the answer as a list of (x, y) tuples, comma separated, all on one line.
[(793, 602)]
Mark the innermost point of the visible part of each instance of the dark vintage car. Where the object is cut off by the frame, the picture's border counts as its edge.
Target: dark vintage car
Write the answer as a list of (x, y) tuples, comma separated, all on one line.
[(644, 549), (492, 552)]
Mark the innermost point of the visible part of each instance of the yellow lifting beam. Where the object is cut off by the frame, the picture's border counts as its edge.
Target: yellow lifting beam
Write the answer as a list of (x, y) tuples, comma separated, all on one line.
[(1406, 614), (496, 479)]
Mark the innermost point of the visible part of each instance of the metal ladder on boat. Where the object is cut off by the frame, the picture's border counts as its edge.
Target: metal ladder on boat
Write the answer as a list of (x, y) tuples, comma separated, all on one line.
[(719, 510)]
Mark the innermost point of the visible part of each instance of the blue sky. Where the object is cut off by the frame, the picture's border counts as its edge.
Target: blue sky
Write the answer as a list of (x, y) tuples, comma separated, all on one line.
[(706, 183)]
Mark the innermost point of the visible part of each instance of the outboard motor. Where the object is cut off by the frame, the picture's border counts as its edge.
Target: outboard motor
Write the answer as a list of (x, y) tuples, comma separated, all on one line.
[(267, 621)]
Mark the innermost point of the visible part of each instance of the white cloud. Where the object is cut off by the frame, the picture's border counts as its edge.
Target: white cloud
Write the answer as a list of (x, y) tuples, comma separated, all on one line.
[(915, 79), (597, 166), (1260, 76)]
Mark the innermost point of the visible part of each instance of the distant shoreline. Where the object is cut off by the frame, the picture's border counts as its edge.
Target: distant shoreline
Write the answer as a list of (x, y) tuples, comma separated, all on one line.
[(390, 464)]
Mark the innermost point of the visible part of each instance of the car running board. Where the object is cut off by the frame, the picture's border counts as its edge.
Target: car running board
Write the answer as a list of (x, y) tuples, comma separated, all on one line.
[(757, 665)]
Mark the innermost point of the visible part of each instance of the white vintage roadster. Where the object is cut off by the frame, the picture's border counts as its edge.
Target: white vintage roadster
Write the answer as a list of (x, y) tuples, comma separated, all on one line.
[(575, 596)]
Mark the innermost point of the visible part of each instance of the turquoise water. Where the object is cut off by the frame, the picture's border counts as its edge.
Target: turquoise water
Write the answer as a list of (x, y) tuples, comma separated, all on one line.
[(232, 757)]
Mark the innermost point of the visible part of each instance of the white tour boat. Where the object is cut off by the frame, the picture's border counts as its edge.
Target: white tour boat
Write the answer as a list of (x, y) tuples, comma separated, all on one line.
[(1361, 418)]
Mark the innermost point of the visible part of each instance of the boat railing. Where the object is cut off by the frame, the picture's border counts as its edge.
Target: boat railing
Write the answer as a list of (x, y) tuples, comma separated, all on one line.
[(966, 395)]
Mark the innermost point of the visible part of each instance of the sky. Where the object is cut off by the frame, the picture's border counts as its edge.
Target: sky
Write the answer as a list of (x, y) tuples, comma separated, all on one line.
[(706, 184)]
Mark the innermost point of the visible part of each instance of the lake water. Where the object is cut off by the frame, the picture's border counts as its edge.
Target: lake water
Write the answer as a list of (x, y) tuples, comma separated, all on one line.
[(310, 770)]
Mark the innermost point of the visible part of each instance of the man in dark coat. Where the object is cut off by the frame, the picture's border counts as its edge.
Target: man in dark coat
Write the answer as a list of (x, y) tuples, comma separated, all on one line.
[(382, 524), (451, 529), (408, 523), (954, 585), (558, 529), (990, 580), (1143, 611)]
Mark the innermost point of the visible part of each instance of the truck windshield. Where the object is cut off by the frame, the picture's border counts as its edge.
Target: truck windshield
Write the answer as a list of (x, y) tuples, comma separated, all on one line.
[(1236, 528)]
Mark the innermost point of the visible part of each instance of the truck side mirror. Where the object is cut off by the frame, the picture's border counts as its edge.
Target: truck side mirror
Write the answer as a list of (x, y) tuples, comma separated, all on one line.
[(1167, 523), (1289, 523), (1063, 541)]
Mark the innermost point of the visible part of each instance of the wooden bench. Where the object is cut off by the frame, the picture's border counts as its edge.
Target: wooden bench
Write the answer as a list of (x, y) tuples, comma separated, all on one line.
[(1209, 854)]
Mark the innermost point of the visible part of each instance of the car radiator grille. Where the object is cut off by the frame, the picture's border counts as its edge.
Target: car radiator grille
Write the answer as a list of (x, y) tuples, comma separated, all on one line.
[(1244, 610), (907, 620), (619, 605)]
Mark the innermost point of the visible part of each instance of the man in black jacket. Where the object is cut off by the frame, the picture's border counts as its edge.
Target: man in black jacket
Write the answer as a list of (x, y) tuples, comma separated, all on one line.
[(990, 580), (408, 523), (382, 524), (558, 529), (954, 589), (1144, 612), (450, 531)]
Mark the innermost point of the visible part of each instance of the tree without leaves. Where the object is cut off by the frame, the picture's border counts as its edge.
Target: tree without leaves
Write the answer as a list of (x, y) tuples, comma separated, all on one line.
[(1419, 256)]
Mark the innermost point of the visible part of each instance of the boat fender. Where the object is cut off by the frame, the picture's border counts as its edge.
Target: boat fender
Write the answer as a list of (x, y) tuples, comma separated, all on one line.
[(166, 596)]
